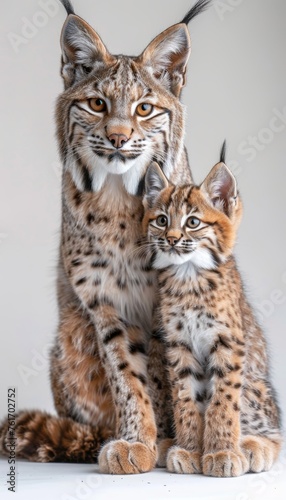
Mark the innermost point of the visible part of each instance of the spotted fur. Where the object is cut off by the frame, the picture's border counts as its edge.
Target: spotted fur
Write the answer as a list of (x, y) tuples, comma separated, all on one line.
[(115, 115), (226, 418)]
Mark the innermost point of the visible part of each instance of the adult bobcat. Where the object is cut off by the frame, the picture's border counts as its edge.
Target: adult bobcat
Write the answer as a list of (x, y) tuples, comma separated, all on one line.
[(116, 114)]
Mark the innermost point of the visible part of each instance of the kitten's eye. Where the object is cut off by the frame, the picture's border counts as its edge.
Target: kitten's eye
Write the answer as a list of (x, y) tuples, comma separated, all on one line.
[(144, 109), (162, 220), (193, 222), (98, 105)]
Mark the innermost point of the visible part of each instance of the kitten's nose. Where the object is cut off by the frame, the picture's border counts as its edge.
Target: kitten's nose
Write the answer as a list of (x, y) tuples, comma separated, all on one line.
[(172, 240), (118, 140)]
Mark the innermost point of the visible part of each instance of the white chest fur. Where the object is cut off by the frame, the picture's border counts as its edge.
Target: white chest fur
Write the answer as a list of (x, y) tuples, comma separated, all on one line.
[(198, 332)]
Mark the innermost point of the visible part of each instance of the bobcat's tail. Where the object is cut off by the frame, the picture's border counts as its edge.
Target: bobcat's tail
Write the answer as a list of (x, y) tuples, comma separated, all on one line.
[(41, 437)]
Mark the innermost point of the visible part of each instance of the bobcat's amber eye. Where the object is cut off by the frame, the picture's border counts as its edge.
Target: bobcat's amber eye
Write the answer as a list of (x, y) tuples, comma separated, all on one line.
[(162, 220), (144, 109), (98, 105), (193, 222)]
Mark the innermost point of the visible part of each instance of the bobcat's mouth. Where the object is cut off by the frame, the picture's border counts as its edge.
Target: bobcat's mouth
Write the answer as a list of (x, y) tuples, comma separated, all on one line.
[(118, 156), (174, 251), (177, 250)]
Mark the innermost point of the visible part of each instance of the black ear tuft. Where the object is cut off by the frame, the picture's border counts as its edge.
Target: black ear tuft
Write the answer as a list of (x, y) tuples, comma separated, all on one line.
[(199, 7), (222, 152), (68, 6)]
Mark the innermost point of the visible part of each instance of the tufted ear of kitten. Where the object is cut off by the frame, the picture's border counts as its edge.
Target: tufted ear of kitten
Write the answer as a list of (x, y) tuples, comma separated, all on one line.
[(220, 189), (155, 182)]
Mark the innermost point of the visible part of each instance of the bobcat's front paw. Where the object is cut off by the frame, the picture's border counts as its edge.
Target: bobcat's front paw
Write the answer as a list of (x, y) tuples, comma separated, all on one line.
[(260, 452), (183, 461), (225, 464), (121, 457)]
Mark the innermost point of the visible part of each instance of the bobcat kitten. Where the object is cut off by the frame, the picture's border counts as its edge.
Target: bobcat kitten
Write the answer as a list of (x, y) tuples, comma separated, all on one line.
[(225, 414)]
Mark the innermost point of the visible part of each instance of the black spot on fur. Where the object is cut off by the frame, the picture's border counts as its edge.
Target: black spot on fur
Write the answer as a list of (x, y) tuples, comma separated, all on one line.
[(136, 347), (76, 262), (140, 377), (123, 365), (77, 198), (80, 281), (215, 370), (121, 284), (90, 218), (187, 371), (117, 332), (212, 284), (99, 263)]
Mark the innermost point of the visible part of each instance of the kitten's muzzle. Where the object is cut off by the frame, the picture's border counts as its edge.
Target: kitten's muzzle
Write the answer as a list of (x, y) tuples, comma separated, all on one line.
[(173, 240)]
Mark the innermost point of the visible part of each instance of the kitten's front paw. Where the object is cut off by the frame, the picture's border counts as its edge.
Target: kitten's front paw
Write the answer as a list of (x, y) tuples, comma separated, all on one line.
[(121, 457), (183, 461), (225, 464), (260, 452)]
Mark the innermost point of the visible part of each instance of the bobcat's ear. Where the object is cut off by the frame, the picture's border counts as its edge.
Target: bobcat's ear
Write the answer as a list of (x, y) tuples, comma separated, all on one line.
[(155, 182), (220, 188), (167, 56), (82, 50)]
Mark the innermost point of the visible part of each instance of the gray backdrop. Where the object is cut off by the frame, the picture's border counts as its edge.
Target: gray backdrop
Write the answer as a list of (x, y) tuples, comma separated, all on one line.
[(236, 89)]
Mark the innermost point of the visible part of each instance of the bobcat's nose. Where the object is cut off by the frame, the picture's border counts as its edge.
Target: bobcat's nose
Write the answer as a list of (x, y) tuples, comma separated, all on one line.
[(173, 240), (118, 140)]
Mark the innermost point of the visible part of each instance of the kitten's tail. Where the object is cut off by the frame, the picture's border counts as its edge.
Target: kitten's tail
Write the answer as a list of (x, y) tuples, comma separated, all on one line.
[(199, 7), (41, 437)]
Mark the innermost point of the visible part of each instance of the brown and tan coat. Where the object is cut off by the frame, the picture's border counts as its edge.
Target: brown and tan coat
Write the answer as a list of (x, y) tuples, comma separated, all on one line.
[(226, 417)]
